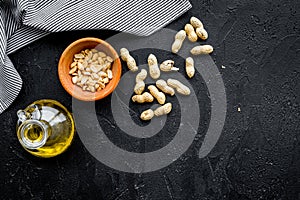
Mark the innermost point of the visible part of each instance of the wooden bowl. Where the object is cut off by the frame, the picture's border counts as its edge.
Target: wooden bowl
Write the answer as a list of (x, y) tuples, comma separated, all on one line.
[(67, 58)]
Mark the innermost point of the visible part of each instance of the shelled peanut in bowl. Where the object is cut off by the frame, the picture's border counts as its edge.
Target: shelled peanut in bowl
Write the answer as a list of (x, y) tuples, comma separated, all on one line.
[(91, 70)]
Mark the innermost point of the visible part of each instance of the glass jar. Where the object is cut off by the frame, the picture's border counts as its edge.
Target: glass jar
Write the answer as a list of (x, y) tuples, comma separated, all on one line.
[(45, 128)]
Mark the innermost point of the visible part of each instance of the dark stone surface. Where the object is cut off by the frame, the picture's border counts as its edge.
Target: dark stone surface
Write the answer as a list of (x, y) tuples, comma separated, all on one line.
[(257, 156)]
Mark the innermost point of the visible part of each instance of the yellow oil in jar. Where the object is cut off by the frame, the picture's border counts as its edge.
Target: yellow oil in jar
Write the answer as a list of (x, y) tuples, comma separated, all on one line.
[(46, 128), (34, 133)]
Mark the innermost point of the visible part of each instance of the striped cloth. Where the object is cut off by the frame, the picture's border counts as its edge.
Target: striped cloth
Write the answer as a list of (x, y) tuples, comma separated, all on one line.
[(24, 21)]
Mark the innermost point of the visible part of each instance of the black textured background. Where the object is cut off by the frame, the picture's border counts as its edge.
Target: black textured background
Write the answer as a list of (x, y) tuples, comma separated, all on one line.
[(257, 156)]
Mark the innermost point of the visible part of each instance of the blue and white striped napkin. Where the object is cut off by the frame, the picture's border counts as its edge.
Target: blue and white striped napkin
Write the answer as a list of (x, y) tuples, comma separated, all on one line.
[(24, 21)]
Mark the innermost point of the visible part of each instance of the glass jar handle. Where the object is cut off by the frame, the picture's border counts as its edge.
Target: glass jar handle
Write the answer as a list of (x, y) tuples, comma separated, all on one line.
[(24, 115)]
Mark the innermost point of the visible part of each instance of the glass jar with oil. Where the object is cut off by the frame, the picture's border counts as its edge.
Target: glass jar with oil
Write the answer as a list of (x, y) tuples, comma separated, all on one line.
[(45, 128)]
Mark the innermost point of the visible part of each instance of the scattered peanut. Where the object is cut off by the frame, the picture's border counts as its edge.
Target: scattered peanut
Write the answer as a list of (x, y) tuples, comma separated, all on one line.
[(189, 67), (88, 73), (147, 115), (163, 86), (145, 97), (125, 56), (179, 38), (202, 33), (168, 65), (163, 110), (196, 23), (202, 49), (159, 96), (180, 88), (153, 67), (190, 31), (140, 84)]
